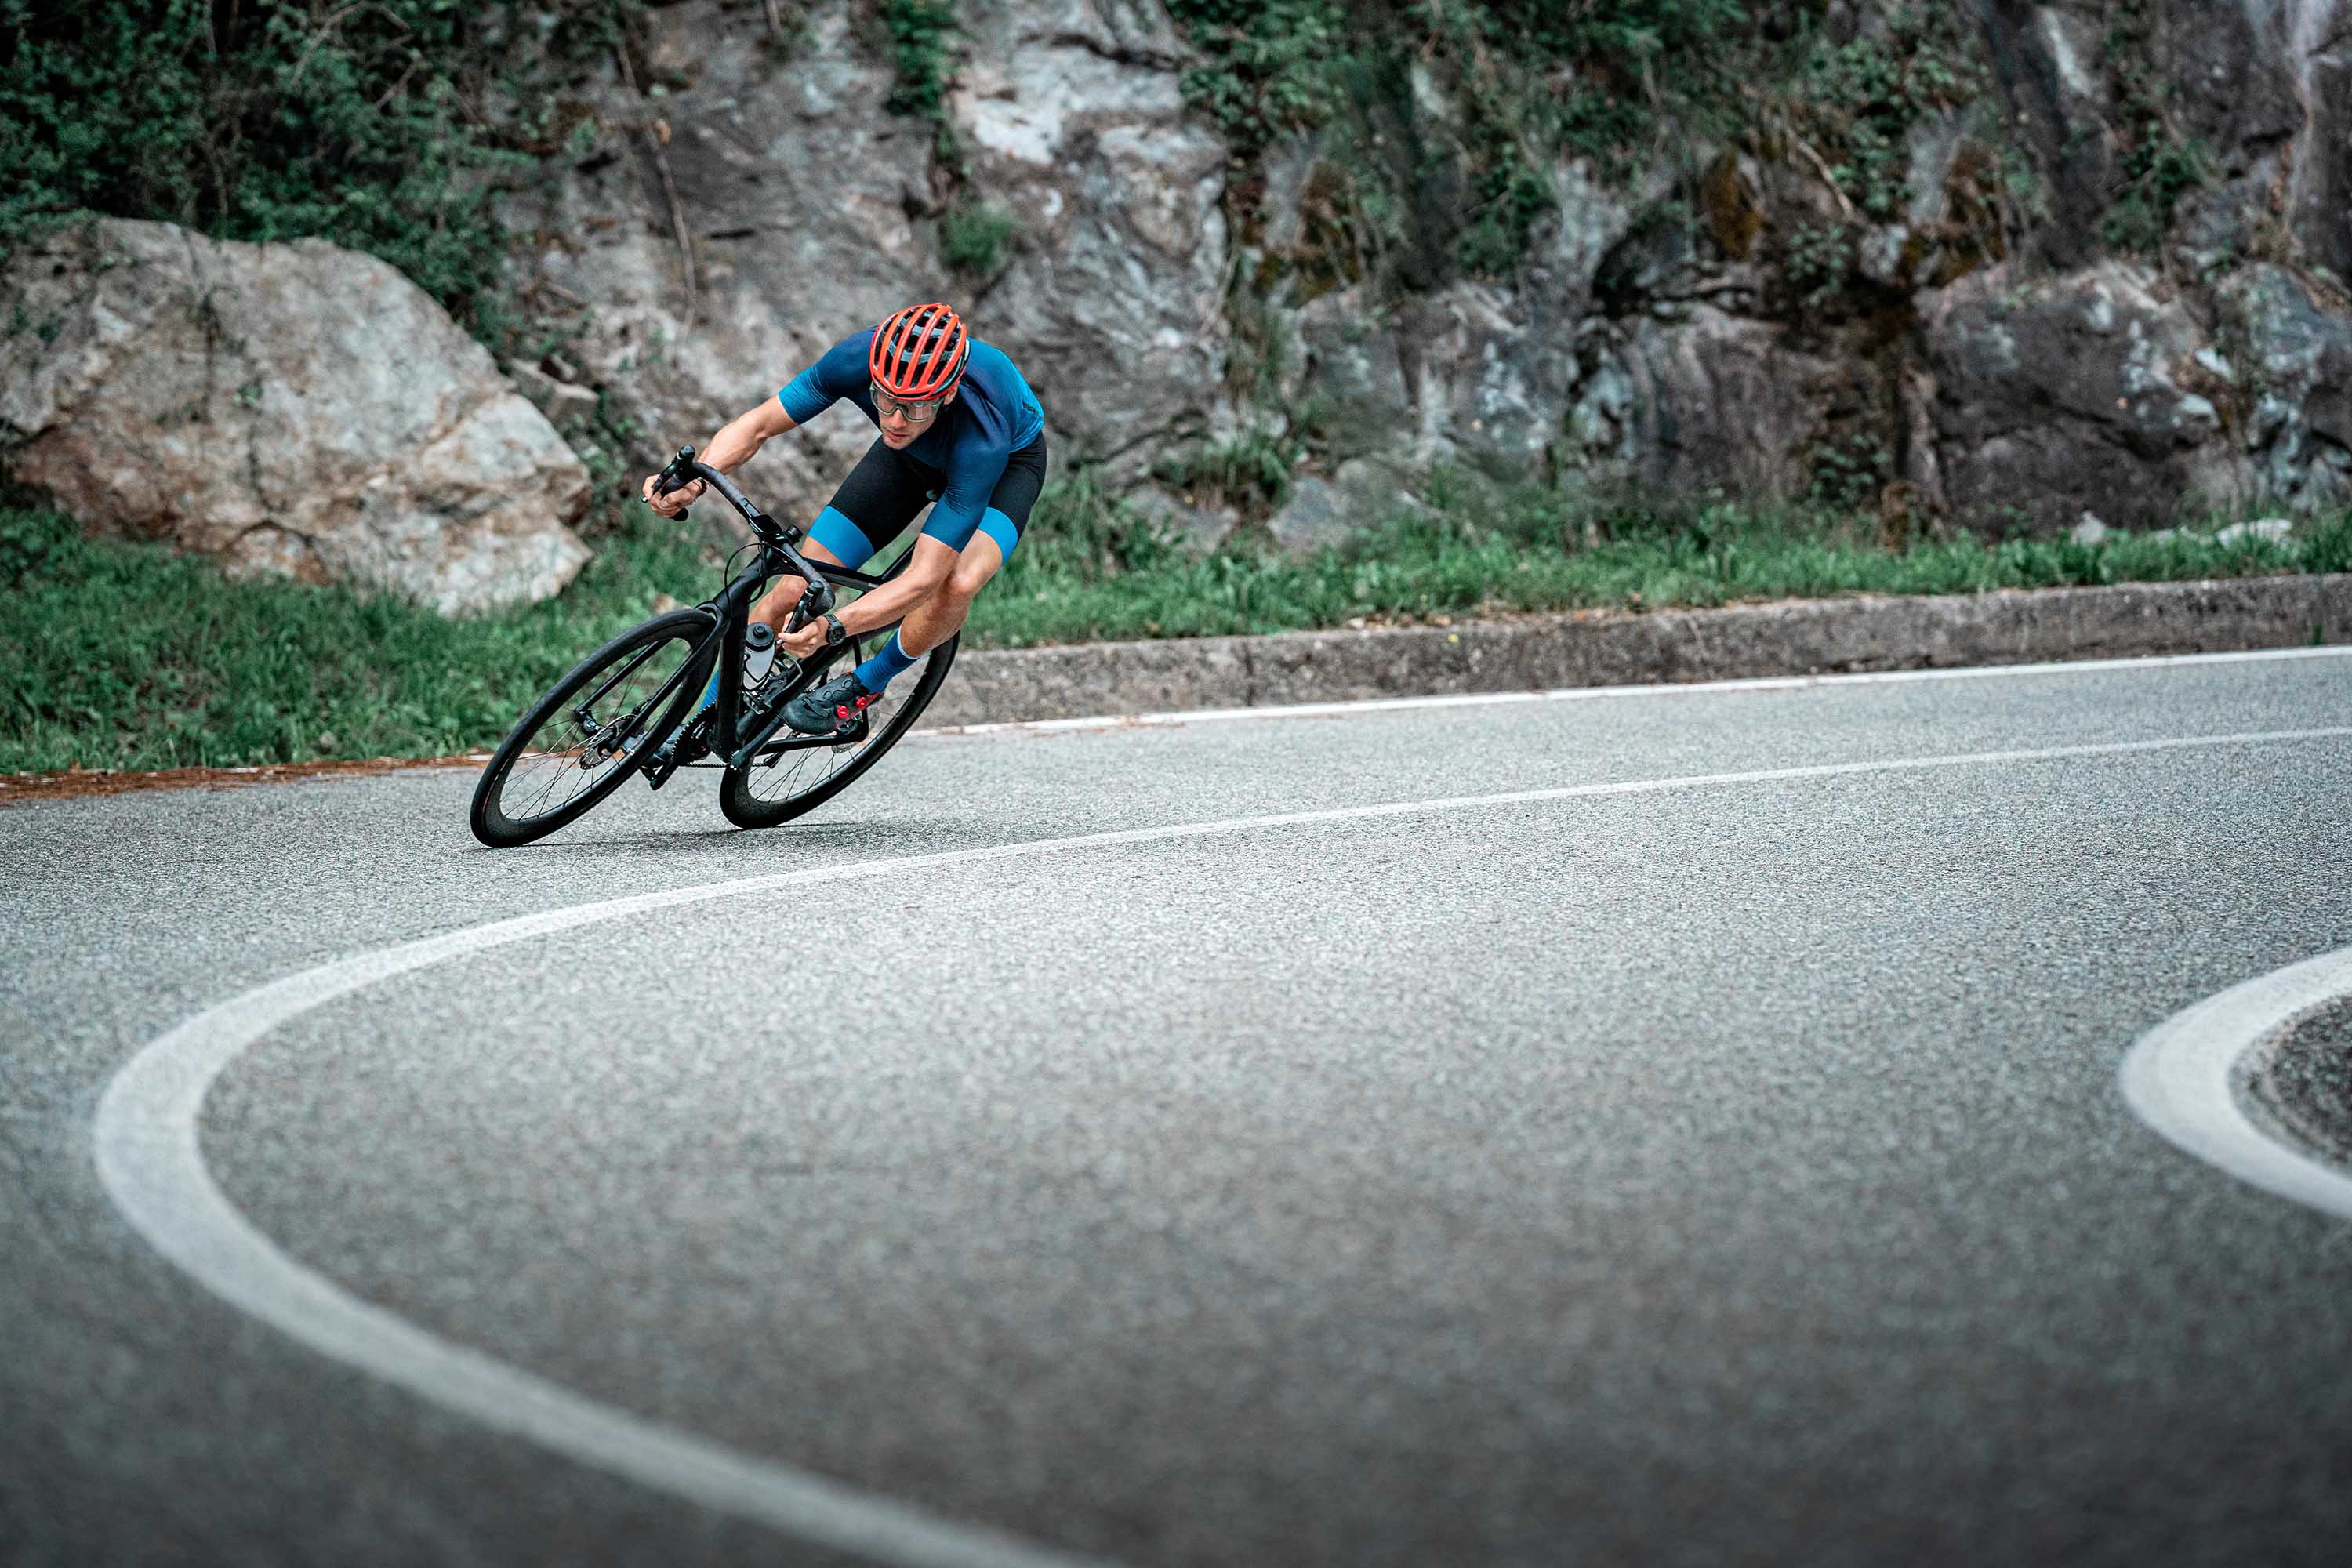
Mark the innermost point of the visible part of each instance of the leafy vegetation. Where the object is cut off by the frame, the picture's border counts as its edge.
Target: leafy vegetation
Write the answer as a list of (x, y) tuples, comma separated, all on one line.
[(922, 42), (129, 656), (1858, 101), (1250, 471), (1273, 64), (378, 126), (1453, 107), (2155, 166), (1479, 554), (974, 238), (1851, 473), (118, 654)]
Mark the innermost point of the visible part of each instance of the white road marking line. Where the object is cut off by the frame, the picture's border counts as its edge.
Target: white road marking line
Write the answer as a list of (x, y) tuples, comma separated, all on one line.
[(2177, 1080), (1603, 693), (151, 1162)]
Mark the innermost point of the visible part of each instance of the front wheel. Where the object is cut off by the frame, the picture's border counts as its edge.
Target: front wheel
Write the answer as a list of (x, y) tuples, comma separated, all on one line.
[(783, 782), (591, 731)]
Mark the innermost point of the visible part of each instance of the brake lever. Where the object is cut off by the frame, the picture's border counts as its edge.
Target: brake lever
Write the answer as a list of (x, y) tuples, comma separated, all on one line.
[(814, 601), (677, 475)]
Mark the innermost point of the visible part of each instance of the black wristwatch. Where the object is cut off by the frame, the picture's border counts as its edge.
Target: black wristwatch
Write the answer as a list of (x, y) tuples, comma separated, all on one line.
[(835, 634)]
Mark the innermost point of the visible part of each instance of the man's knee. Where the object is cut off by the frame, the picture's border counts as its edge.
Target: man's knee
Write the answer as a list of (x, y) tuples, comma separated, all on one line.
[(962, 587), (774, 605)]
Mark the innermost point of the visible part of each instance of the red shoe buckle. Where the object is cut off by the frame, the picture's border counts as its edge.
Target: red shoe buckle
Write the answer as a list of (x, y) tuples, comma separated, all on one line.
[(841, 712), (862, 702)]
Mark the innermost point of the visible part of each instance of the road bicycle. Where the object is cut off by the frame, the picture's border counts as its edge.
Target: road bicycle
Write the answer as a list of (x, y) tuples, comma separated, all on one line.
[(609, 720)]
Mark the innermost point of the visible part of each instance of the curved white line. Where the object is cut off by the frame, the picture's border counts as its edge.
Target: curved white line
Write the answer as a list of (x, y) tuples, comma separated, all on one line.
[(151, 1162), (2177, 1080)]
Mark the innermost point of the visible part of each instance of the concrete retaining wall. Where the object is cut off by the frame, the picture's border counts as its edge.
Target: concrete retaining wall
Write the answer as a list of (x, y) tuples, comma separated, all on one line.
[(1814, 636)]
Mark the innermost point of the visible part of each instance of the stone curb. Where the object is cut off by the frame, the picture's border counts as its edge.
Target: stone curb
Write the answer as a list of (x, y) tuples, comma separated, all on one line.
[(1808, 637)]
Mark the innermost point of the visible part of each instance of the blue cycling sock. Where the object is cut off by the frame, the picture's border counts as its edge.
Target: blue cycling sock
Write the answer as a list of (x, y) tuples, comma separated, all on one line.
[(886, 667), (709, 692)]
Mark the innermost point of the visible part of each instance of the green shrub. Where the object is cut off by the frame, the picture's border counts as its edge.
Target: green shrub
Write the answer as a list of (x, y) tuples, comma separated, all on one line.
[(2155, 165), (1250, 471), (1857, 102), (1272, 63), (2156, 173), (1849, 474), (974, 238), (359, 124), (923, 38)]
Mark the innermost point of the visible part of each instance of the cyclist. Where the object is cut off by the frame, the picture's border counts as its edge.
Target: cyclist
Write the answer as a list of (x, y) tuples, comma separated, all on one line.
[(958, 424)]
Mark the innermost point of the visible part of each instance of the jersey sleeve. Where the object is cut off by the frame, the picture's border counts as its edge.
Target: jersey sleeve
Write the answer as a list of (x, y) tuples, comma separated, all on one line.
[(838, 373)]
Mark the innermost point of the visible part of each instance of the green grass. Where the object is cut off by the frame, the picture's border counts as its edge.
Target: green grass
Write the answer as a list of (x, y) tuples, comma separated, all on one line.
[(1532, 553), (1250, 470), (120, 656), (117, 655)]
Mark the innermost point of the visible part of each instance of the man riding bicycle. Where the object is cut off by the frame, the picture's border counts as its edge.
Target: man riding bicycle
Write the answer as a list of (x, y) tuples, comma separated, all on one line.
[(960, 426)]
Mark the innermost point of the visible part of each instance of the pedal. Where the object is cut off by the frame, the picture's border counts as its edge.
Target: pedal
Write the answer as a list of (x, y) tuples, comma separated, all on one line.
[(849, 718)]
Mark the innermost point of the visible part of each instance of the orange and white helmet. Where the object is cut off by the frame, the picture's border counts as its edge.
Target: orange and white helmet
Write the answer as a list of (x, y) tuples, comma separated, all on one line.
[(919, 353)]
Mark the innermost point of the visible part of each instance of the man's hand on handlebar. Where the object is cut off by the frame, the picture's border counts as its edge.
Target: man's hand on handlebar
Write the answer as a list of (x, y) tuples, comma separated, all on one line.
[(803, 641), (676, 501)]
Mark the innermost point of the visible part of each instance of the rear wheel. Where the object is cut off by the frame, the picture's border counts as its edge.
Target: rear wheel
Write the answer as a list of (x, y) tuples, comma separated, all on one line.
[(785, 781), (591, 731)]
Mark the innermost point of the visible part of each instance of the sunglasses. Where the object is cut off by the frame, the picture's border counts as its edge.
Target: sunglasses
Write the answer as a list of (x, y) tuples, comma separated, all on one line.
[(912, 413)]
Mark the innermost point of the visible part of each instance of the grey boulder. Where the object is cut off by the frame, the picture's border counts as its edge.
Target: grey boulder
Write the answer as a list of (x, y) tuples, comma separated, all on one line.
[(297, 410), (2094, 390)]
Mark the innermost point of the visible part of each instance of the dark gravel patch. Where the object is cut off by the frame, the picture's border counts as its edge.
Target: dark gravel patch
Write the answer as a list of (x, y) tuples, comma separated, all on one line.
[(2303, 1079)]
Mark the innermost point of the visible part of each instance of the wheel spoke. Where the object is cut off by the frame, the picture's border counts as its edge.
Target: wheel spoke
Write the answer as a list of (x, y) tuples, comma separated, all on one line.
[(804, 768), (544, 776), (779, 786)]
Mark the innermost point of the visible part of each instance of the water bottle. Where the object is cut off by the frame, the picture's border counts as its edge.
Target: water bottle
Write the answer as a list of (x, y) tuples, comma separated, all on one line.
[(758, 654)]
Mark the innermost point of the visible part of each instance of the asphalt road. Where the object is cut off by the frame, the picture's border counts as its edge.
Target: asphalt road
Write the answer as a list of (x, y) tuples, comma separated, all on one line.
[(1725, 1174)]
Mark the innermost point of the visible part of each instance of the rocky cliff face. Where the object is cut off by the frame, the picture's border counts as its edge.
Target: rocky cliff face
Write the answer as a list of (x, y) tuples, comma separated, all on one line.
[(2069, 381), (2103, 270), (811, 211), (1994, 264)]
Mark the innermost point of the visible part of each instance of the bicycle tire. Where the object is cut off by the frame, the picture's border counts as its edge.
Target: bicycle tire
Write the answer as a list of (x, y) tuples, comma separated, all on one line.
[(738, 792), (492, 821)]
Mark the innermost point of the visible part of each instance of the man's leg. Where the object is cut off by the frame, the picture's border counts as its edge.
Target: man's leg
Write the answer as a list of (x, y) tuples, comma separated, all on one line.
[(775, 605), (979, 558), (940, 616)]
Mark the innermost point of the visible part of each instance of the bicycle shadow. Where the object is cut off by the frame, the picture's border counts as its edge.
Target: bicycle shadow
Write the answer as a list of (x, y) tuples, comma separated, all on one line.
[(874, 838)]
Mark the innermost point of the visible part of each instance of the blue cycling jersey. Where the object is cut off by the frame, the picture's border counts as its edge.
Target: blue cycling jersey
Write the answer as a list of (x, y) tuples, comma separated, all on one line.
[(994, 415)]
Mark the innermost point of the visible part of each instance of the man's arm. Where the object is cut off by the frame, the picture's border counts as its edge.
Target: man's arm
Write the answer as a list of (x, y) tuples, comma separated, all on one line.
[(745, 434), (729, 450), (838, 373)]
